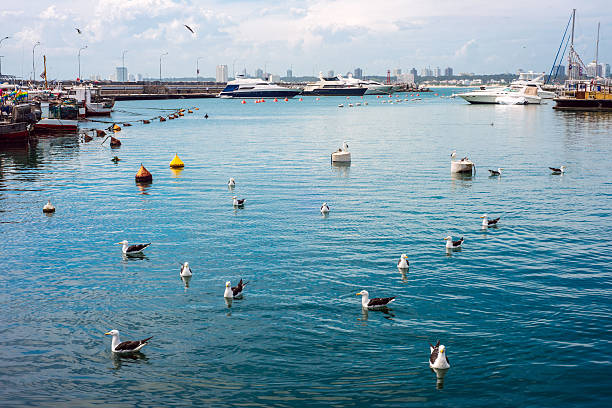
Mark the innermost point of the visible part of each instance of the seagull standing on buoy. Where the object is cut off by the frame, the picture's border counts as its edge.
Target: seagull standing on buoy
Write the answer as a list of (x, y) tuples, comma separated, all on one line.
[(403, 262), (437, 357), (119, 347), (486, 222), (375, 303), (238, 203), (234, 292), (132, 249), (497, 172), (450, 244), (559, 170), (231, 182), (48, 208), (185, 270), (324, 209)]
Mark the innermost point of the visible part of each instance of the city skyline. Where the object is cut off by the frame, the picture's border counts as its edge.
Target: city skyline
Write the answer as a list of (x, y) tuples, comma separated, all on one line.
[(305, 36)]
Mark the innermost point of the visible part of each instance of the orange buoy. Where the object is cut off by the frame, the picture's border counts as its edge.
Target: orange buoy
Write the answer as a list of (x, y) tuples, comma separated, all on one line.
[(100, 133), (87, 138), (318, 99), (115, 142), (196, 108), (417, 94), (171, 117), (116, 128), (301, 99), (146, 122), (162, 119), (189, 111), (243, 102), (143, 175), (181, 114), (286, 99), (275, 100)]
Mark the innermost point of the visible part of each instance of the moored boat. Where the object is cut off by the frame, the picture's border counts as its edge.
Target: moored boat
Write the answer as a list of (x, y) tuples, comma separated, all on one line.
[(334, 86), (242, 87)]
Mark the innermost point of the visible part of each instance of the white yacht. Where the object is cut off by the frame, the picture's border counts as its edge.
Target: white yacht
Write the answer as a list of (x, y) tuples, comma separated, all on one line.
[(519, 95), (533, 78), (374, 88), (334, 86), (242, 87)]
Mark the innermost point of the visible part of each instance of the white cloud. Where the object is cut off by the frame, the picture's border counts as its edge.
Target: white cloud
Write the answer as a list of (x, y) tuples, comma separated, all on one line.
[(51, 14), (465, 48)]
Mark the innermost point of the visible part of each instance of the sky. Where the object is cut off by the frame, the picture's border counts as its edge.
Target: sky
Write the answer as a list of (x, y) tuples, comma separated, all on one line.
[(480, 36)]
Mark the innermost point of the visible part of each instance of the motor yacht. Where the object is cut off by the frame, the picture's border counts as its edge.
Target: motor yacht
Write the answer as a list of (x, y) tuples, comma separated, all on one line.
[(523, 95), (242, 87), (333, 86), (373, 87)]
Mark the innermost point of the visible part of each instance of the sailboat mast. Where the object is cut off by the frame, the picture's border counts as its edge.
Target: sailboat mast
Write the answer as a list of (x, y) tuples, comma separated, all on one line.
[(570, 55), (597, 52)]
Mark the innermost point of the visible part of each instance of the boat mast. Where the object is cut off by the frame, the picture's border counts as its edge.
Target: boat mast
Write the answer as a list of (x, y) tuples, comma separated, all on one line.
[(597, 52), (570, 56)]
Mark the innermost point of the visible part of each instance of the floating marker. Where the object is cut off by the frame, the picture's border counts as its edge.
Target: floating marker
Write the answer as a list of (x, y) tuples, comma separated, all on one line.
[(116, 128), (162, 119), (275, 100), (243, 102), (189, 111), (301, 99), (143, 175), (177, 163), (286, 99), (114, 142), (100, 133), (197, 108), (48, 208), (146, 122)]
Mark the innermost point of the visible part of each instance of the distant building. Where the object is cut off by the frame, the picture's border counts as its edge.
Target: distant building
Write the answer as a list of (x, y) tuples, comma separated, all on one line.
[(437, 72), (558, 71), (259, 73), (413, 71), (131, 78), (406, 78), (397, 72), (358, 73), (330, 73), (221, 73), (594, 70), (607, 71), (139, 77), (448, 72), (289, 73), (426, 72), (122, 74), (274, 78)]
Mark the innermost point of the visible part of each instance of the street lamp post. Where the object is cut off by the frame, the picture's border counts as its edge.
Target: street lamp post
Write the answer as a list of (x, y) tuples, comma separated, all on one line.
[(198, 69), (123, 65), (33, 68), (5, 38), (80, 49), (1, 56), (160, 60)]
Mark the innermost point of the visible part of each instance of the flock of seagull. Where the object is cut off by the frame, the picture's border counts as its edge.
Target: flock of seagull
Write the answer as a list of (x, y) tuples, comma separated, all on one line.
[(438, 361)]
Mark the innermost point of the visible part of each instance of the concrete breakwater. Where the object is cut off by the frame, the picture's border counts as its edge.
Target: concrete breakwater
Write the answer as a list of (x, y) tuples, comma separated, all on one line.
[(165, 90)]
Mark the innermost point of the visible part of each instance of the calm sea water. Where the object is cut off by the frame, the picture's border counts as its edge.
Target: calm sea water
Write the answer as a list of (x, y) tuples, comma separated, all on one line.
[(524, 309)]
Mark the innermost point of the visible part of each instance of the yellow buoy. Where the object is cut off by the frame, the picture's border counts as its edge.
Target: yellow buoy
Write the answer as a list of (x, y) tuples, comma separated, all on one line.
[(176, 162), (116, 128)]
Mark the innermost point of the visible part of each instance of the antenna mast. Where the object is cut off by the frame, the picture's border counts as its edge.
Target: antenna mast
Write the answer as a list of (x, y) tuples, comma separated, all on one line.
[(597, 52)]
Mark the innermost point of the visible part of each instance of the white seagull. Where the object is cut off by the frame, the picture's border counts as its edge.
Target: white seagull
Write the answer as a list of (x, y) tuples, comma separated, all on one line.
[(497, 172), (324, 208), (450, 244), (376, 303), (185, 270), (238, 203), (437, 356), (119, 347), (486, 222), (403, 262), (231, 182), (234, 292), (48, 208), (132, 249), (453, 154)]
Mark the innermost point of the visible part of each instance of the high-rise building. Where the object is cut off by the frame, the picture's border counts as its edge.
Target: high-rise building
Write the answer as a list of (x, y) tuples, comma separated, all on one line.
[(139, 77), (448, 72), (289, 73), (437, 72), (397, 72), (259, 73), (558, 72), (594, 70), (131, 78), (358, 73), (330, 73), (274, 78), (413, 71), (607, 70), (406, 78), (221, 73), (122, 74), (426, 72)]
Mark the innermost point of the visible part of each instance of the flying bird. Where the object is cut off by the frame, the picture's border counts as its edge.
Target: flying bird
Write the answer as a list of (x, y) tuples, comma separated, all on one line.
[(189, 28), (78, 30)]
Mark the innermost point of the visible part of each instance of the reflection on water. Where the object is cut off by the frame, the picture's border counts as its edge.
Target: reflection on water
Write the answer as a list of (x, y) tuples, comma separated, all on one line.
[(176, 172), (404, 273), (386, 311), (440, 374), (128, 359), (186, 280), (140, 256), (463, 180), (143, 187), (341, 169)]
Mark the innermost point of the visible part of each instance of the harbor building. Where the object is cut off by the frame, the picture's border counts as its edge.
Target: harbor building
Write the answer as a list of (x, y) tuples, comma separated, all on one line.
[(221, 73), (122, 74), (358, 73)]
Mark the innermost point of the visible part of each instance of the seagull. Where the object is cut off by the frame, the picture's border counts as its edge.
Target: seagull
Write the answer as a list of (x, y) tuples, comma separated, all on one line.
[(189, 28), (78, 30), (238, 203), (437, 358), (450, 244), (127, 346), (185, 270), (487, 222), (376, 303), (231, 182), (324, 208), (497, 172), (132, 249), (234, 292), (559, 170), (453, 154), (48, 208), (403, 262)]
